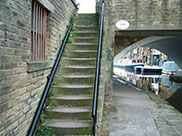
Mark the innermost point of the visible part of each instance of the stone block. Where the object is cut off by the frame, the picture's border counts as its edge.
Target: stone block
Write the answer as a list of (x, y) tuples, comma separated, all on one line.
[(37, 66)]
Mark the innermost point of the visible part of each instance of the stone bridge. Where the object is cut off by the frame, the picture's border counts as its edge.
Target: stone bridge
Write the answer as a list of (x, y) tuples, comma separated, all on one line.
[(155, 23)]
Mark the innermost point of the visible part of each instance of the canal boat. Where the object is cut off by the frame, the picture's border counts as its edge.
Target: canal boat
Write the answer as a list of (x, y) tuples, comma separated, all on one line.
[(148, 75), (151, 69), (148, 68), (137, 68), (129, 63), (169, 67)]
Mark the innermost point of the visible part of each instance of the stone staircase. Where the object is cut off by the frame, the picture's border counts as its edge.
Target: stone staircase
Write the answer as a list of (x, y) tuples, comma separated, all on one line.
[(73, 85)]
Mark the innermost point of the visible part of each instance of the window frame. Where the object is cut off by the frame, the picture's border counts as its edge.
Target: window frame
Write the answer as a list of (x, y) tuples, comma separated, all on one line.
[(38, 32)]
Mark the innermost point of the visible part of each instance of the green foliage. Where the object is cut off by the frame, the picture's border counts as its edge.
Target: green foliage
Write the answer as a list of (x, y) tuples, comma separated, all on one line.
[(69, 41), (42, 117), (50, 94), (50, 105), (55, 83), (70, 23), (43, 131), (72, 34)]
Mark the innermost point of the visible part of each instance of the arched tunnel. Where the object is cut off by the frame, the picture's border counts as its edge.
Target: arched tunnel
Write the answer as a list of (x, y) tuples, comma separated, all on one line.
[(167, 42), (169, 45)]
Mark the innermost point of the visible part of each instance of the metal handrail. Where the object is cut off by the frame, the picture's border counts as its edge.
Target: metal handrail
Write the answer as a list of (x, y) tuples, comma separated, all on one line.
[(48, 85), (96, 88)]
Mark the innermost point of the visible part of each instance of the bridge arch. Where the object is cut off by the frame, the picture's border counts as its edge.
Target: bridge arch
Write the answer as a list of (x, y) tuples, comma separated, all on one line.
[(170, 45)]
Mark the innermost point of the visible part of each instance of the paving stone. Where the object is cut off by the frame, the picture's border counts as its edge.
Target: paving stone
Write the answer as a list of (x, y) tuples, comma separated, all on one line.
[(142, 116)]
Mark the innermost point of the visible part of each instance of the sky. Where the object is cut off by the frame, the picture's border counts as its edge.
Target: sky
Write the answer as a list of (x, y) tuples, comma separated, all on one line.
[(86, 6)]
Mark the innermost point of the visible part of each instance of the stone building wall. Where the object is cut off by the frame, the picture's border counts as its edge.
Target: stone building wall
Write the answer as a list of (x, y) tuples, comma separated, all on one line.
[(21, 80)]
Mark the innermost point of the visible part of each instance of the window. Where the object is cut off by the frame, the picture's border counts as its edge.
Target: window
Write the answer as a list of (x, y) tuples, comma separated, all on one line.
[(38, 32)]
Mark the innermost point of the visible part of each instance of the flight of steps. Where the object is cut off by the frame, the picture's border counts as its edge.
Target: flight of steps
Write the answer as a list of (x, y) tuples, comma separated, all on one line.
[(73, 84)]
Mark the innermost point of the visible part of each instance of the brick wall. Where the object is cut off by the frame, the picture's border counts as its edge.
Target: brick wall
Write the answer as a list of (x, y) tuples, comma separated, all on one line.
[(20, 90)]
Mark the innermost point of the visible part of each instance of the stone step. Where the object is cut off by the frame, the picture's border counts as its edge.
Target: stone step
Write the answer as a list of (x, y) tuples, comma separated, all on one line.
[(71, 100), (86, 28), (78, 76), (71, 91), (81, 53), (71, 109), (74, 79), (75, 69), (86, 22), (83, 19), (85, 40), (76, 113), (79, 67), (83, 46), (87, 16), (72, 97), (87, 33), (78, 61), (69, 127), (70, 86)]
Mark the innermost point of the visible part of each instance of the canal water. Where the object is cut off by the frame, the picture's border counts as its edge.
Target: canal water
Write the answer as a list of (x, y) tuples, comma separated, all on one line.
[(155, 82)]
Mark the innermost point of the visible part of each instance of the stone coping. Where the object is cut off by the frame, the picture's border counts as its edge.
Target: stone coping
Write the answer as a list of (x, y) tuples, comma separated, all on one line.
[(47, 5), (39, 65)]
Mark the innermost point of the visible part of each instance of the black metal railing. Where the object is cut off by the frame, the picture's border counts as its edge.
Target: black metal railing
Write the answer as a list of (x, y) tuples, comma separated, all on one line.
[(96, 89), (73, 1), (49, 82)]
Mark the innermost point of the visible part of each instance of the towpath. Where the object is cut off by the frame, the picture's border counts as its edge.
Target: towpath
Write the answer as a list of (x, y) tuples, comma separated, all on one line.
[(140, 113)]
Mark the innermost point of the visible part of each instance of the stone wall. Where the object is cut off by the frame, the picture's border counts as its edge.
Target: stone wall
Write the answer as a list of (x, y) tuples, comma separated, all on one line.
[(106, 87), (20, 89), (148, 14), (125, 41)]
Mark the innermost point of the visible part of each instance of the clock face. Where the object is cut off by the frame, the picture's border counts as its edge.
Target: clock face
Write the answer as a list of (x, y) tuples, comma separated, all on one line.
[(122, 24)]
